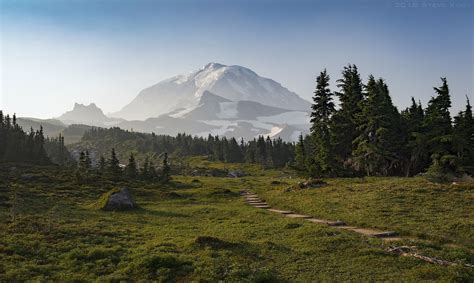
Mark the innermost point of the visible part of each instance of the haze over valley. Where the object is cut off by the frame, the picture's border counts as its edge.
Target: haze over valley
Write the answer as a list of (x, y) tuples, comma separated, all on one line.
[(231, 101)]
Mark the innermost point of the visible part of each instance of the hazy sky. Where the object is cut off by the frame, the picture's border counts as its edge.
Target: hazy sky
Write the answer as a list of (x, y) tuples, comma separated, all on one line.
[(55, 53)]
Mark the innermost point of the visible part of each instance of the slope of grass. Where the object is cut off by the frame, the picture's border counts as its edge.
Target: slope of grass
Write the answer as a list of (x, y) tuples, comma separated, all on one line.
[(197, 228)]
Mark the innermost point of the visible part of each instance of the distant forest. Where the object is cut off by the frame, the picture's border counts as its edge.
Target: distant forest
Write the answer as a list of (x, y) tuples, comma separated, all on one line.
[(265, 151), (367, 135), (32, 147)]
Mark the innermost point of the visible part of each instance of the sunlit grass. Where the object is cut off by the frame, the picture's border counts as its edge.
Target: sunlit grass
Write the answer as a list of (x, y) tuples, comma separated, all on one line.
[(58, 236)]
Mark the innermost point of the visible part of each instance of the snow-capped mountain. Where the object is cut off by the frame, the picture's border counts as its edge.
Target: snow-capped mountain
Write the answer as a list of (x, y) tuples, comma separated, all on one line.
[(230, 101), (220, 116), (183, 92)]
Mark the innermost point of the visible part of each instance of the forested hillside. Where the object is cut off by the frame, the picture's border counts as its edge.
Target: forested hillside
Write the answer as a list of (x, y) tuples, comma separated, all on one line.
[(265, 151), (16, 145)]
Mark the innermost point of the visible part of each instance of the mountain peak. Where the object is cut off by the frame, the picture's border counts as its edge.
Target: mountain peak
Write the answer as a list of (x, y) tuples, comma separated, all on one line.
[(92, 106), (84, 114), (213, 65), (233, 82)]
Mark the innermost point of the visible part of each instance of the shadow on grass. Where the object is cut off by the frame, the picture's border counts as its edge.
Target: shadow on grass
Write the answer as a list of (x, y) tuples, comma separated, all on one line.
[(158, 213)]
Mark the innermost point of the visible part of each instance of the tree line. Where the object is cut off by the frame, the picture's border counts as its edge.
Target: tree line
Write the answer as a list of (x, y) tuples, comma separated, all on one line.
[(367, 135), (32, 147), (111, 168), (57, 152), (16, 145), (266, 151)]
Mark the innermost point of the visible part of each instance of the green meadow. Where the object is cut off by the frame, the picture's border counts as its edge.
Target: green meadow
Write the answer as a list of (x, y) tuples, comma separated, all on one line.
[(200, 229)]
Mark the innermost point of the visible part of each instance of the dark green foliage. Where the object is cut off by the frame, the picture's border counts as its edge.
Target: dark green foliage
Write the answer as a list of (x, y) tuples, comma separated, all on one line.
[(378, 146), (343, 124), (300, 154), (82, 162), (102, 165), (232, 151), (131, 170), (17, 145), (151, 171), (165, 170), (145, 169), (267, 152), (322, 111), (368, 136), (437, 121), (113, 164), (463, 138), (57, 151), (443, 168), (84, 167), (416, 155)]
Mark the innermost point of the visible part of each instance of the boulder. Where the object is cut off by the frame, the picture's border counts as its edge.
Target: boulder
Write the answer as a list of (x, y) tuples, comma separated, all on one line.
[(236, 174), (117, 200), (310, 184), (313, 183)]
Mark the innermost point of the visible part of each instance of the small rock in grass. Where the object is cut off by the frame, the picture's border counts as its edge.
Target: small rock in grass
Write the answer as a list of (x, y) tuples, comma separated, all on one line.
[(117, 200), (236, 174), (292, 225)]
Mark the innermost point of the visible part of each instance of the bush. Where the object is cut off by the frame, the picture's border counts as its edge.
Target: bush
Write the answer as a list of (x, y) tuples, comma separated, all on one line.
[(443, 169)]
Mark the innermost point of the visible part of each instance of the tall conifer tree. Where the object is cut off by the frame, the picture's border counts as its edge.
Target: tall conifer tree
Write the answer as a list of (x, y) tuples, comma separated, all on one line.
[(322, 111), (343, 126)]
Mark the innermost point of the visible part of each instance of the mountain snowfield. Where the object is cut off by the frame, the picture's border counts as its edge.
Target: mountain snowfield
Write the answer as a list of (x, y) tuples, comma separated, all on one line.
[(230, 101), (235, 83)]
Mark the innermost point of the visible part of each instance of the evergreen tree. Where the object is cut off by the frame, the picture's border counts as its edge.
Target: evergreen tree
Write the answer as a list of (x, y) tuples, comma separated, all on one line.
[(145, 170), (88, 161), (379, 143), (113, 164), (102, 165), (437, 121), (82, 162), (217, 149), (54, 148), (269, 162), (322, 110), (343, 123), (300, 154), (282, 153), (131, 168), (17, 145), (463, 140), (251, 151), (261, 152), (233, 152), (151, 171), (166, 170), (416, 155)]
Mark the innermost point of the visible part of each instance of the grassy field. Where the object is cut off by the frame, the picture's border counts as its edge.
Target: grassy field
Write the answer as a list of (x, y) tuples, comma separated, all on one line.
[(200, 229), (413, 207)]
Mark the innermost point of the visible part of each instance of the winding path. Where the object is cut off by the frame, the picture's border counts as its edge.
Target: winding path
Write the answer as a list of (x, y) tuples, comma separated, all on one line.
[(255, 201)]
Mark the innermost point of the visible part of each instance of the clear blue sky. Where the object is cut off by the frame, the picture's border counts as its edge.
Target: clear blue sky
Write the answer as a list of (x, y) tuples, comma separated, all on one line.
[(55, 53)]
